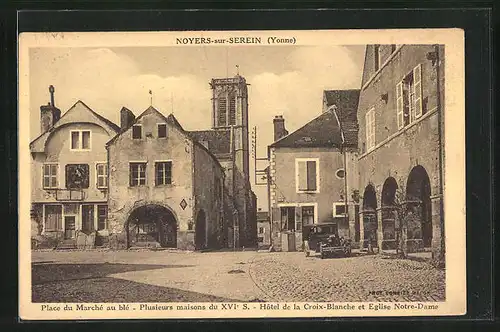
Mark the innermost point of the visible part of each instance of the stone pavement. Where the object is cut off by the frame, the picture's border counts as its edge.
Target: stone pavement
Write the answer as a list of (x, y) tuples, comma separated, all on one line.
[(163, 276)]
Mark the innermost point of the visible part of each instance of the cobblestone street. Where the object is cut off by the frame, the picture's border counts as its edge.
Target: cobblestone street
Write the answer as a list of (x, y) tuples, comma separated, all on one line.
[(163, 276)]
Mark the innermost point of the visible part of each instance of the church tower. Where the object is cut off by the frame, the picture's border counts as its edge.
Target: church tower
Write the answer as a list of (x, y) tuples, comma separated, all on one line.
[(230, 111), (230, 114)]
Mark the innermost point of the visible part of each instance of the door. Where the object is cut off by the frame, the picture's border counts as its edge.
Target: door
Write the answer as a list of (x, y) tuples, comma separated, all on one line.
[(87, 218), (69, 227)]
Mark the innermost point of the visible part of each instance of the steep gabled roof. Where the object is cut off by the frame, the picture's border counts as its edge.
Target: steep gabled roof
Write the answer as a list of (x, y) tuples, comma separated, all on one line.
[(170, 119), (38, 144), (323, 131), (218, 140)]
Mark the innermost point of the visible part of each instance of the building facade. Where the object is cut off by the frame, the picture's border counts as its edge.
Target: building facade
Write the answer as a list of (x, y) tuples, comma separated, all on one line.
[(401, 149), (69, 189), (228, 140), (307, 176), (147, 182), (165, 188)]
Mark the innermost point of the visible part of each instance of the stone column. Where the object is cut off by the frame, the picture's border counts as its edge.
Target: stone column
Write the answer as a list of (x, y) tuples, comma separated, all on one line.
[(361, 230), (380, 231)]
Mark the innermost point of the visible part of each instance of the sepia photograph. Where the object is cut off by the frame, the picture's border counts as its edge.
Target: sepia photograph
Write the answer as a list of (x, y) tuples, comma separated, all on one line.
[(242, 174)]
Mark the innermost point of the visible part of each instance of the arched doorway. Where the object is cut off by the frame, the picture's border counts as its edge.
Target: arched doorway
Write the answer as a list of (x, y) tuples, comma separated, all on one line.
[(389, 214), (418, 198), (200, 232), (152, 225), (370, 221)]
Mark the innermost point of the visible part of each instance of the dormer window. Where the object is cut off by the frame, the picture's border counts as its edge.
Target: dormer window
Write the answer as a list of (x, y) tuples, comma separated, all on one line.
[(80, 140), (137, 131)]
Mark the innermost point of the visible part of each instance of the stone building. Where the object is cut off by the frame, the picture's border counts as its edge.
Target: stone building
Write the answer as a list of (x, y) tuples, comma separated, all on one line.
[(228, 141), (148, 182), (69, 188), (307, 173), (165, 188), (401, 148)]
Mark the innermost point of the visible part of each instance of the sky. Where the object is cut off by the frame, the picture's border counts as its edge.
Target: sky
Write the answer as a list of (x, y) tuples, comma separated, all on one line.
[(284, 80)]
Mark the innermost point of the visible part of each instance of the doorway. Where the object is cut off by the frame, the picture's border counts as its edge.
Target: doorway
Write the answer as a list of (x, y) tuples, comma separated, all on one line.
[(69, 227)]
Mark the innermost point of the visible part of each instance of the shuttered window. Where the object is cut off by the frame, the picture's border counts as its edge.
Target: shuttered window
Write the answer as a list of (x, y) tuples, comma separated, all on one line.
[(417, 91), (399, 105), (102, 175), (232, 110), (222, 111), (370, 129), (50, 176), (307, 175), (409, 98)]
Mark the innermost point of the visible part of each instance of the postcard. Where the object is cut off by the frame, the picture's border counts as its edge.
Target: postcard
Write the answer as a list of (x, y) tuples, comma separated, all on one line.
[(240, 174)]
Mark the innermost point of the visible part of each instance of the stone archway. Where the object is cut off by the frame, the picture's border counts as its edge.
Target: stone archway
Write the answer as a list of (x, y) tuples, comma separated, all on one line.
[(389, 214), (200, 230), (370, 220), (151, 225), (418, 200)]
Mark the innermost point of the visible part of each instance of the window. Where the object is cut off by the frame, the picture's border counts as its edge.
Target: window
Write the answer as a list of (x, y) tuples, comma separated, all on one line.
[(162, 130), (370, 129), (222, 111), (137, 131), (50, 176), (232, 110), (102, 175), (409, 97), (77, 176), (288, 218), (53, 218), (137, 174), (102, 217), (307, 175), (261, 230), (340, 173), (163, 172), (339, 209), (80, 139), (307, 216)]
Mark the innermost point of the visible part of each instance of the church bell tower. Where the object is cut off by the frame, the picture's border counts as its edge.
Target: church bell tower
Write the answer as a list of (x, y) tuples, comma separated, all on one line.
[(230, 112)]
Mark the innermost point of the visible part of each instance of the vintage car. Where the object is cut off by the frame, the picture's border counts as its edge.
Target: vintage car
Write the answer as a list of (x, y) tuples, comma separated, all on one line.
[(324, 238)]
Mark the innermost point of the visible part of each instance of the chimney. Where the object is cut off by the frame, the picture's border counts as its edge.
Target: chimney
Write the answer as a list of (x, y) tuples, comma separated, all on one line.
[(279, 127), (126, 118), (49, 114)]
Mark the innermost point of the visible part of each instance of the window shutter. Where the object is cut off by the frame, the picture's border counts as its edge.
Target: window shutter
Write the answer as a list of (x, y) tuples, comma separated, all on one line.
[(302, 175), (417, 85), (399, 105), (311, 175)]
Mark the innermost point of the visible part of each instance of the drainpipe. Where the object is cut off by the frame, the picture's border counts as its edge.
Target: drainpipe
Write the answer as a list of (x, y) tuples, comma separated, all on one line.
[(441, 150), (343, 151)]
